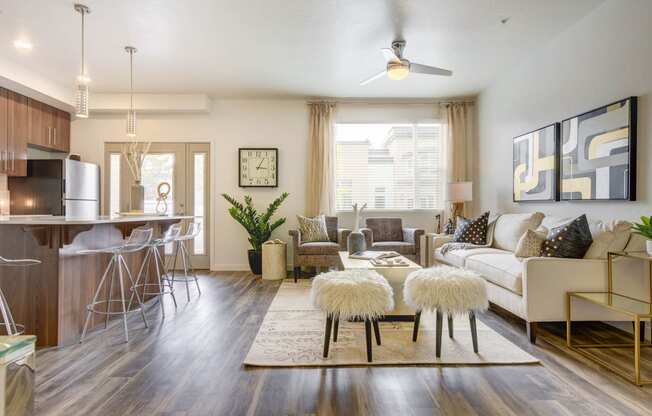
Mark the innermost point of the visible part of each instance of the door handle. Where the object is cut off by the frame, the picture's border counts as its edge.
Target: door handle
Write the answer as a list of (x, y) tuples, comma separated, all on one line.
[(13, 161), (55, 136), (49, 134)]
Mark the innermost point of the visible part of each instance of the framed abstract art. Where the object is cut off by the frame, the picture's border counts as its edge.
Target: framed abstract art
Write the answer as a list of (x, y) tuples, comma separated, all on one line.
[(598, 154), (535, 165)]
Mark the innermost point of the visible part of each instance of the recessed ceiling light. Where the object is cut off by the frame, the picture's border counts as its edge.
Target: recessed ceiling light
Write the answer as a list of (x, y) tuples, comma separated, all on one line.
[(23, 45)]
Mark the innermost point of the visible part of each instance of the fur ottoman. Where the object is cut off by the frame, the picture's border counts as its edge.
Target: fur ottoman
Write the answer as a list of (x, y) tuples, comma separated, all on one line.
[(352, 294), (446, 290)]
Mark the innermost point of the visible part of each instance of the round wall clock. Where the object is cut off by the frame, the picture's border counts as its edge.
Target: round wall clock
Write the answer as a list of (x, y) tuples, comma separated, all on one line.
[(258, 168)]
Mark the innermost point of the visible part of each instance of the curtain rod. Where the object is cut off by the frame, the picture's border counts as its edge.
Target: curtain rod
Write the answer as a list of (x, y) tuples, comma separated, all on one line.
[(391, 102)]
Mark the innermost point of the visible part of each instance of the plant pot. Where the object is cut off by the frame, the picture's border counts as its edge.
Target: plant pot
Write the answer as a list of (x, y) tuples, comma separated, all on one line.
[(255, 261), (648, 247)]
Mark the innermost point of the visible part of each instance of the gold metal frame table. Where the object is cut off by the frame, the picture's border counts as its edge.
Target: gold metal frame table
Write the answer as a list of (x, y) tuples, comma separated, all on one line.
[(638, 310)]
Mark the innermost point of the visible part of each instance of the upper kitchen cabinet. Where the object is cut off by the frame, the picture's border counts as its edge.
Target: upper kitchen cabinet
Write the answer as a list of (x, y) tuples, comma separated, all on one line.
[(49, 128), (14, 124)]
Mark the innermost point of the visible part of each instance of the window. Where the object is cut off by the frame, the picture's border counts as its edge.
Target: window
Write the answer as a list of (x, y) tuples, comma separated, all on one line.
[(388, 166)]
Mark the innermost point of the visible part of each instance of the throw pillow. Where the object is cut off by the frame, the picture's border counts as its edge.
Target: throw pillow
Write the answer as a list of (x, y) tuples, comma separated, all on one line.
[(511, 227), (570, 240), (529, 245), (608, 236), (313, 229), (472, 231)]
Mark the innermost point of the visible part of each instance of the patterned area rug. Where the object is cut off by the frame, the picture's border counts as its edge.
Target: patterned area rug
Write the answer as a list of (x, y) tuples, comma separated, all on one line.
[(292, 335)]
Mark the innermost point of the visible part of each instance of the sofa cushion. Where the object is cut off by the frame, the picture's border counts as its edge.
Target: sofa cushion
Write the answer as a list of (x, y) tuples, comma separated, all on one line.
[(400, 247), (502, 269), (608, 236), (459, 257), (530, 243), (319, 248), (385, 229), (510, 228)]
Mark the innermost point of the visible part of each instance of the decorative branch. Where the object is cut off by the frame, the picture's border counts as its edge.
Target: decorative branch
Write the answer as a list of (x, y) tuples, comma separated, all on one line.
[(135, 153)]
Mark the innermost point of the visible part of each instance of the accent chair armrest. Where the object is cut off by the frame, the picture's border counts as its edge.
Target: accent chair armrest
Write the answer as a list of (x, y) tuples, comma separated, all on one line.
[(342, 236)]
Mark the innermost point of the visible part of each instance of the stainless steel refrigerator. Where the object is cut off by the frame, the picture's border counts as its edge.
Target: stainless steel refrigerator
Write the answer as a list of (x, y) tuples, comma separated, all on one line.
[(57, 187)]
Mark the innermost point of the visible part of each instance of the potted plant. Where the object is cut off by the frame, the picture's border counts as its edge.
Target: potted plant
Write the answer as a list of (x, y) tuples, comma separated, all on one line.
[(645, 229), (257, 225)]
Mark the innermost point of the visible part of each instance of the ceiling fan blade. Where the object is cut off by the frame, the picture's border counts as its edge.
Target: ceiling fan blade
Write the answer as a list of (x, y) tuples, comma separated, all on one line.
[(431, 70), (368, 80), (389, 55)]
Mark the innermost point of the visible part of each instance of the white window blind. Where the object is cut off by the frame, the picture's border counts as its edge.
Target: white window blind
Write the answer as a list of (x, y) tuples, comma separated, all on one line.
[(388, 166)]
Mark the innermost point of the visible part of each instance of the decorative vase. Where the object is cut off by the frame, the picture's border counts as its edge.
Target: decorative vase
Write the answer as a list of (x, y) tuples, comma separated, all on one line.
[(255, 261), (356, 242), (137, 197), (648, 247)]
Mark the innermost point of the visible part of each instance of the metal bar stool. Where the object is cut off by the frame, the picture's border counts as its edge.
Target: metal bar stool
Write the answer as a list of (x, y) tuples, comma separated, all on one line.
[(188, 271), (137, 241), (11, 327), (163, 284)]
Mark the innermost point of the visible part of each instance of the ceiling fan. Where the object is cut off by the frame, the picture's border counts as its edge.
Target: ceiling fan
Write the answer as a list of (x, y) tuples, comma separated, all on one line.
[(399, 67)]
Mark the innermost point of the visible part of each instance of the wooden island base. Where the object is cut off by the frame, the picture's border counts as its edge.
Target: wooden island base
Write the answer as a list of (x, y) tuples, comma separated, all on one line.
[(50, 299)]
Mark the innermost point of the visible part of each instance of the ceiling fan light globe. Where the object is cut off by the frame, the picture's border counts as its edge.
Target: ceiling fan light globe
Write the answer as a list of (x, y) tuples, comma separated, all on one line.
[(397, 72)]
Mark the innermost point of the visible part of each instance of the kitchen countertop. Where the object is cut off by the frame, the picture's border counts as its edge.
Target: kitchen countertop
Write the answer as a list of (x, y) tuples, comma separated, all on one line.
[(100, 219)]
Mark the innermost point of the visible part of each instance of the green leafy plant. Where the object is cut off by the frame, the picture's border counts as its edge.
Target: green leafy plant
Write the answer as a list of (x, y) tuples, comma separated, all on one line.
[(643, 228), (257, 224)]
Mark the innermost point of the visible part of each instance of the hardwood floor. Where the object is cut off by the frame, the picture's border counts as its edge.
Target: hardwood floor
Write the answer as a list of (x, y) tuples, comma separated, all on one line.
[(191, 364)]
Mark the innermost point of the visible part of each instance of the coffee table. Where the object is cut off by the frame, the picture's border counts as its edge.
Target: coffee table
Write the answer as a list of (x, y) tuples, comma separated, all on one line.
[(395, 276)]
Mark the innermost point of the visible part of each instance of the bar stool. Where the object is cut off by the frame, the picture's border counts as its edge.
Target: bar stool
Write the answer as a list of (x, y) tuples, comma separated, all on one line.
[(163, 285), (137, 241), (188, 272), (11, 327)]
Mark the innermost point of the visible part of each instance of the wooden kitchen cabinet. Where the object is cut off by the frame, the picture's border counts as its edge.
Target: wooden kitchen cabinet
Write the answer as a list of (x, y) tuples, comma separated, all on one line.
[(14, 125), (3, 129), (49, 128)]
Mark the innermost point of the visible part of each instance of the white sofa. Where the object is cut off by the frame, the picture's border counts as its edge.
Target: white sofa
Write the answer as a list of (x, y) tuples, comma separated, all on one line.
[(534, 289)]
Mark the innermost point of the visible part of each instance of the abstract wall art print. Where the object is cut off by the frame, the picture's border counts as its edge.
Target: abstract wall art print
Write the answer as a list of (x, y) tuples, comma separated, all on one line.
[(535, 165), (598, 154)]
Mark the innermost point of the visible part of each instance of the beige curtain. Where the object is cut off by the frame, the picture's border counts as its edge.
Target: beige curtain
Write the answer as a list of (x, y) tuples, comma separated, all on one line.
[(320, 189), (459, 144)]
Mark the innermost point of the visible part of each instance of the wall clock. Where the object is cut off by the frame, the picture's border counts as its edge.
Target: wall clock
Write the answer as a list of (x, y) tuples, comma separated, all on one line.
[(258, 168)]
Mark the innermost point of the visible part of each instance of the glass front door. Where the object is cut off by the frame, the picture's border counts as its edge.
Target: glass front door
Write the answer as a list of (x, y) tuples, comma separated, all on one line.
[(185, 167)]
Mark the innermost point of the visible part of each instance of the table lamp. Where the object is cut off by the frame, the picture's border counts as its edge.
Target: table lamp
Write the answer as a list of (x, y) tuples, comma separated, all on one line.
[(457, 193)]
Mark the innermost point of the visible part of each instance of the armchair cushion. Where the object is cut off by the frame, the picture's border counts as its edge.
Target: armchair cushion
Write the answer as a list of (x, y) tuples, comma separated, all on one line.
[(401, 247), (385, 229), (313, 229), (319, 248)]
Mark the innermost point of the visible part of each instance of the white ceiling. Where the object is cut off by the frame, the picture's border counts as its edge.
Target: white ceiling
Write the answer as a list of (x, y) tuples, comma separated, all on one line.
[(282, 47)]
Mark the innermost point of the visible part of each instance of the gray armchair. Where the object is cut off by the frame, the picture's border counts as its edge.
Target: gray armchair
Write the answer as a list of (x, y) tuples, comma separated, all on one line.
[(319, 253), (388, 234)]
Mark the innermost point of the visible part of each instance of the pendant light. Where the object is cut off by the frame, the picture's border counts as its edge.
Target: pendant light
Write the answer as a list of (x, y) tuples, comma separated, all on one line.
[(81, 108), (131, 114)]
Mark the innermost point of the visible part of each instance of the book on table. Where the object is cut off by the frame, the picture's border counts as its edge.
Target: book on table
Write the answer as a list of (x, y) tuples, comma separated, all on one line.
[(373, 255)]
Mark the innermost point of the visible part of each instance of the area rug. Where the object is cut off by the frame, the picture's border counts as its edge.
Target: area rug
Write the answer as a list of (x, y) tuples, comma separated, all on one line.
[(292, 335)]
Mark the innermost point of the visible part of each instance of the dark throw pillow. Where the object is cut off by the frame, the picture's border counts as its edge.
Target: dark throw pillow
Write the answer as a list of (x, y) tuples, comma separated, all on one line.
[(571, 240), (472, 231)]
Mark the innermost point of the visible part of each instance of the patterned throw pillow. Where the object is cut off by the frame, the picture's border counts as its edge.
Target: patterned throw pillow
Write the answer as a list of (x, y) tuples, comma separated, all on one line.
[(529, 245), (472, 231), (313, 229), (571, 240)]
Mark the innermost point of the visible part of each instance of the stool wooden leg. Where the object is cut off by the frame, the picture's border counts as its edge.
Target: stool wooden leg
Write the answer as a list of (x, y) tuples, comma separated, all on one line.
[(450, 326), (367, 330), (327, 334), (438, 331), (336, 328), (376, 331), (415, 331), (474, 331)]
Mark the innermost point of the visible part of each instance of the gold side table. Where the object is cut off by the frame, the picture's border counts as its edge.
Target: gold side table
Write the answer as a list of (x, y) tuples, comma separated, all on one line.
[(639, 310)]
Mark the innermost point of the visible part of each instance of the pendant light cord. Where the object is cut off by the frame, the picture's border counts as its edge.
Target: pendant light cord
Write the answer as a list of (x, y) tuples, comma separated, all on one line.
[(83, 73), (131, 64)]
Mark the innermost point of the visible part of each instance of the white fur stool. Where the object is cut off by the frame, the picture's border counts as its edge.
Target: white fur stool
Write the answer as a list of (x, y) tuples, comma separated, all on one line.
[(446, 290), (361, 295)]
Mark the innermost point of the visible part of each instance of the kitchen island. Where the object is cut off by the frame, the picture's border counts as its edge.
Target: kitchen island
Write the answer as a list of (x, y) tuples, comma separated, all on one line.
[(50, 299)]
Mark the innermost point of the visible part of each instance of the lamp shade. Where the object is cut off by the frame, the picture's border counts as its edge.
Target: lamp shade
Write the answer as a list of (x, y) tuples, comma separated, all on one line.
[(459, 192)]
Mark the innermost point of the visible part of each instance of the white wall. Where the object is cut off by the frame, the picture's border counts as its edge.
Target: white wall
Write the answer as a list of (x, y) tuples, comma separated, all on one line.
[(230, 125), (604, 57)]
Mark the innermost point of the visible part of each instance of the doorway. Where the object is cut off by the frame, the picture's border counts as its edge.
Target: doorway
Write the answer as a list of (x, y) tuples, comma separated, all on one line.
[(185, 166)]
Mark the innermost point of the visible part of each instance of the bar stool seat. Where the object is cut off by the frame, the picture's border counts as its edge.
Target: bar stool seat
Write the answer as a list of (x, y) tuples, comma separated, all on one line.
[(137, 241), (10, 326)]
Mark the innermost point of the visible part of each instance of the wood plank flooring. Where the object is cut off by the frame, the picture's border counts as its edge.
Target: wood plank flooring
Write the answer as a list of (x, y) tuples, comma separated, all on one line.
[(190, 363)]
